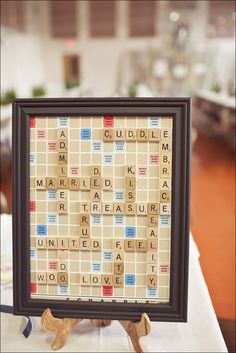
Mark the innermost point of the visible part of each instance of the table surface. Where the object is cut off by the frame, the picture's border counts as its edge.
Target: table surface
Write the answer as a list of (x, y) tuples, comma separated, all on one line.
[(200, 334)]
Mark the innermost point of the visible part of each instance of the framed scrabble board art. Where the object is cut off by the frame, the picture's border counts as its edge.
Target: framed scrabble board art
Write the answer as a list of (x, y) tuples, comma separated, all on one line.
[(101, 207)]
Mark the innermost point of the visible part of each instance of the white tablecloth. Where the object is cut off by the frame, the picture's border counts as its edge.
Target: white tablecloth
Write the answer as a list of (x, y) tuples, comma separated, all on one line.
[(200, 334)]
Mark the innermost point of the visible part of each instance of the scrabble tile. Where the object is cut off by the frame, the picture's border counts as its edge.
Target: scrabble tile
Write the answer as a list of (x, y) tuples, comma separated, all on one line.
[(62, 134), (96, 208), (130, 183), (96, 280), (62, 171), (51, 183), (118, 281), (40, 183), (62, 158), (165, 196), (84, 231), (74, 243), (63, 266), (166, 158), (152, 232), (151, 268), (62, 243), (84, 207), (151, 257), (62, 278), (119, 134), (118, 208), (62, 207), (84, 219), (74, 183), (130, 245), (95, 183), (129, 170), (41, 277), (107, 183), (118, 268), (51, 243), (165, 209), (96, 244), (130, 134), (141, 245), (151, 281), (130, 196), (165, 171), (152, 244), (154, 135), (108, 135), (118, 244), (41, 243), (62, 183), (62, 146), (142, 135), (84, 183), (166, 146), (165, 134), (118, 256), (85, 279), (96, 170), (107, 280), (63, 195), (51, 277), (130, 209), (153, 208), (96, 195), (165, 184), (107, 207), (141, 209), (84, 244), (152, 220)]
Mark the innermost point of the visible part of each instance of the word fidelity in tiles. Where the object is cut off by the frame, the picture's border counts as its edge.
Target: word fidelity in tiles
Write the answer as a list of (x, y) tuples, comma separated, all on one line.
[(100, 208)]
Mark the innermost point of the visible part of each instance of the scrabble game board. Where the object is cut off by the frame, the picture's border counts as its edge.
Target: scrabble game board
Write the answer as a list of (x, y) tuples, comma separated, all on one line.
[(100, 208)]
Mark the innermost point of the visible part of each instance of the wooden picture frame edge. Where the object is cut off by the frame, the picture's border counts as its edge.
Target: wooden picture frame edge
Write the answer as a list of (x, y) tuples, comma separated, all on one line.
[(176, 310)]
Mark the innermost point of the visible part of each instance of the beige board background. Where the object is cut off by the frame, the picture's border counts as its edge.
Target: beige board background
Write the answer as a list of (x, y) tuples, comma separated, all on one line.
[(82, 154)]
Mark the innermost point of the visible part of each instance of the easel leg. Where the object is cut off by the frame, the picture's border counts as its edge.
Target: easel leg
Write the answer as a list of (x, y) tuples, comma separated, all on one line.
[(61, 327), (136, 330)]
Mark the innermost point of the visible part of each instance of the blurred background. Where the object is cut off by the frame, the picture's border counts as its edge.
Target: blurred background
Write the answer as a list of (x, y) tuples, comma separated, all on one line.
[(140, 48)]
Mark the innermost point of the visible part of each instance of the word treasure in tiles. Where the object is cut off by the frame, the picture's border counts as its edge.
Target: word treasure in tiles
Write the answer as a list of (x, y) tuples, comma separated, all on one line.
[(100, 208)]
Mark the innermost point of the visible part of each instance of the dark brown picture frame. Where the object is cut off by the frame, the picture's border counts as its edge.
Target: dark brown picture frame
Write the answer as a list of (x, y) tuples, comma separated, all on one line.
[(179, 109)]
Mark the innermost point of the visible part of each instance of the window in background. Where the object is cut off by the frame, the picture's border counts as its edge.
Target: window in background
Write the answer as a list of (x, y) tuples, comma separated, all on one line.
[(63, 19), (102, 18), (71, 70), (221, 18), (142, 18), (13, 14)]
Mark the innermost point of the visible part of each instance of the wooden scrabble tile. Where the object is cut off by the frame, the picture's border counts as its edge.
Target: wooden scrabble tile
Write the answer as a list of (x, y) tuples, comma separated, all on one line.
[(51, 183), (130, 245), (129, 170), (96, 280), (118, 268), (95, 182), (62, 207), (166, 134), (130, 195), (118, 255), (84, 219), (152, 220), (74, 243), (63, 195), (154, 135), (130, 183), (62, 158), (130, 134), (118, 281), (62, 170), (62, 278), (152, 244), (107, 280), (118, 208), (62, 243), (165, 171), (153, 208), (119, 134), (62, 146), (85, 183), (62, 134), (165, 196), (51, 277), (84, 207), (142, 135), (62, 183), (165, 209), (151, 269), (141, 209), (84, 231), (95, 195), (107, 207), (118, 244), (84, 244), (151, 256), (130, 209), (107, 183), (63, 266), (96, 208), (96, 244), (108, 135), (85, 279), (41, 243), (165, 184), (151, 281), (141, 245), (166, 158), (52, 243), (166, 146), (152, 232), (40, 183), (96, 170), (41, 277), (74, 183)]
